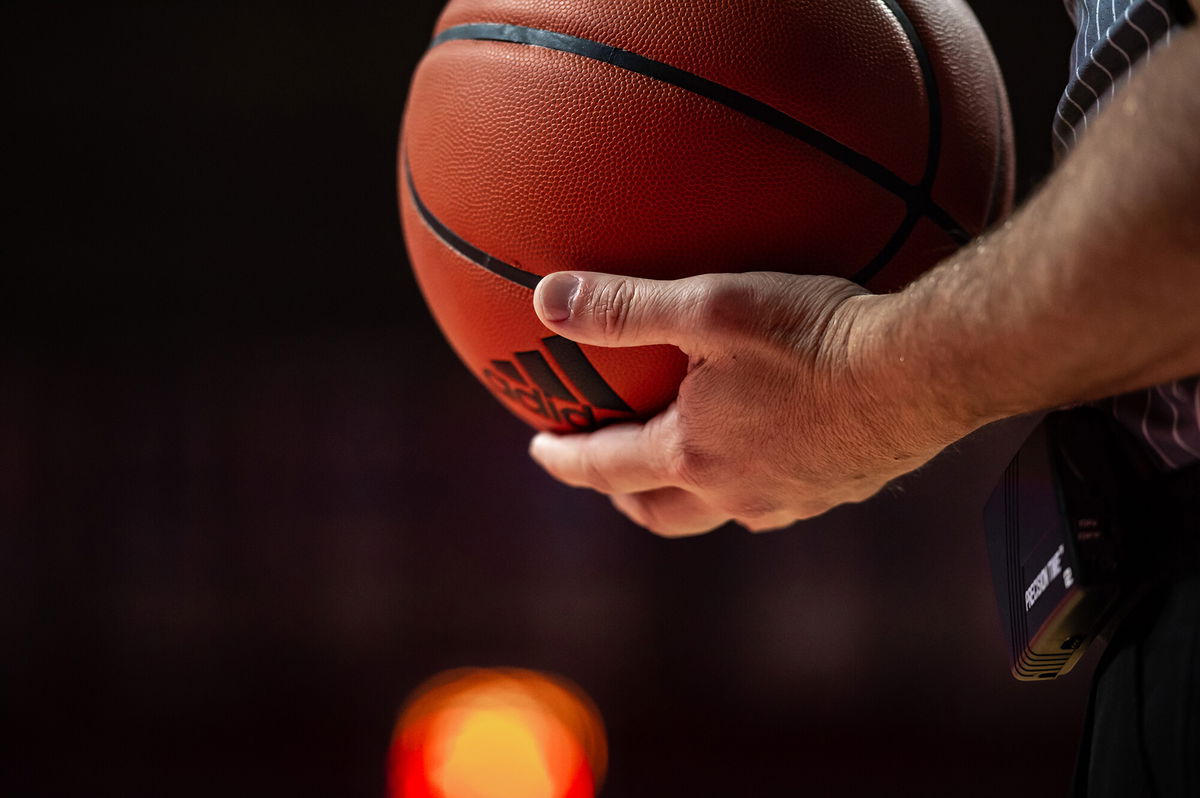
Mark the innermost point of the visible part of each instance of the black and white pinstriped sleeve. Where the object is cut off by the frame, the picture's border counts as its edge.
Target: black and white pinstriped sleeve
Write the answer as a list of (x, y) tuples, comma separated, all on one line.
[(1113, 37)]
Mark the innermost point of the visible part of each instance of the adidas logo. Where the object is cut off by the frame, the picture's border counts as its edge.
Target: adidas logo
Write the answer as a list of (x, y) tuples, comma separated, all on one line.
[(535, 386)]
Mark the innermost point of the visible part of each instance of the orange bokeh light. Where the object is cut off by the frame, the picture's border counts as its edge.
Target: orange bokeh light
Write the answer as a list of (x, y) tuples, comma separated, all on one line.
[(501, 733)]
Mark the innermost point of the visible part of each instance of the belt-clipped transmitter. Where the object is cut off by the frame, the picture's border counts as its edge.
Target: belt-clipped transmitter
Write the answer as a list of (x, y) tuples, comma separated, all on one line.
[(1058, 539)]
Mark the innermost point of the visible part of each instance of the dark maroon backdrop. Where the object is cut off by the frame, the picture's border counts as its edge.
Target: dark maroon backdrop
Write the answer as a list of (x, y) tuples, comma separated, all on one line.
[(249, 499)]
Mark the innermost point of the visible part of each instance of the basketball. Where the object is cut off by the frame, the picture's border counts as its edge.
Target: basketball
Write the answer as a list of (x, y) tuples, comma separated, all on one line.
[(866, 139)]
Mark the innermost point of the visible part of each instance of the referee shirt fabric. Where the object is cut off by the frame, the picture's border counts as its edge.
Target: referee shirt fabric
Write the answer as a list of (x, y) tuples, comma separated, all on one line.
[(1142, 732), (1113, 38)]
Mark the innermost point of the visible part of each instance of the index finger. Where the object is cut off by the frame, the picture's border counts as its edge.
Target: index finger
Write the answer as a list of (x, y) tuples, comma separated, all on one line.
[(624, 458)]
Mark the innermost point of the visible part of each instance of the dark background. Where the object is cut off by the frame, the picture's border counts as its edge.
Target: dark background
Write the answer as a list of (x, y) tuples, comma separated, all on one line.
[(250, 499)]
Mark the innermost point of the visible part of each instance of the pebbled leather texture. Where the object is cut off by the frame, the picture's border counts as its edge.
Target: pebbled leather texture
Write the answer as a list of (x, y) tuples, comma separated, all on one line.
[(549, 160)]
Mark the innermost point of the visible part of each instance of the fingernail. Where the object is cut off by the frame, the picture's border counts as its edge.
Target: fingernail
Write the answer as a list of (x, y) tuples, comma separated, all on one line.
[(558, 295)]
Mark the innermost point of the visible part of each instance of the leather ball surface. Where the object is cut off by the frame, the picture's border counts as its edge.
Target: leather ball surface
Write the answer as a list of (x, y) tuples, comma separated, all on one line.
[(861, 138)]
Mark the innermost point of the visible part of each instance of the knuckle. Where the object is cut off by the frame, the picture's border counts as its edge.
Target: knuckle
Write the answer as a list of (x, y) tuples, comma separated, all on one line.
[(640, 512), (650, 517), (612, 306), (694, 468), (752, 511), (724, 306), (592, 474)]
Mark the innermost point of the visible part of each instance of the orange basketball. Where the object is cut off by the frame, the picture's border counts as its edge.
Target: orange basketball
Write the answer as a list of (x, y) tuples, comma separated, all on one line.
[(860, 138)]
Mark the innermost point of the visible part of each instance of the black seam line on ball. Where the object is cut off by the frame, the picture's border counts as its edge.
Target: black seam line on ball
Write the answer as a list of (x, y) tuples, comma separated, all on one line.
[(915, 197), (459, 245), (932, 97), (921, 201)]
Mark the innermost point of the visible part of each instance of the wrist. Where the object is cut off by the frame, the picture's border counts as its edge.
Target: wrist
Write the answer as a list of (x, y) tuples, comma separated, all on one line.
[(903, 371)]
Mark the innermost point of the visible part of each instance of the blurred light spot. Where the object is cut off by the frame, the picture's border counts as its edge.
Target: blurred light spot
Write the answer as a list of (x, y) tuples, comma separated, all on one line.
[(495, 753), (497, 734)]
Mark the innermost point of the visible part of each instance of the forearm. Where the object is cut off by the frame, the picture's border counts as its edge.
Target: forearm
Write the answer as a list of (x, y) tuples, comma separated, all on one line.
[(1091, 289)]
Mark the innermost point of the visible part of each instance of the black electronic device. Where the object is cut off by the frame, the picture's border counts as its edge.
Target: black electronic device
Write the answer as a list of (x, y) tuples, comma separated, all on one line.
[(1057, 537)]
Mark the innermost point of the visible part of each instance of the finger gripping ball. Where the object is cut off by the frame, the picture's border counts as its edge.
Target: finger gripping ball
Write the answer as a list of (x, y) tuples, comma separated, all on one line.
[(861, 138)]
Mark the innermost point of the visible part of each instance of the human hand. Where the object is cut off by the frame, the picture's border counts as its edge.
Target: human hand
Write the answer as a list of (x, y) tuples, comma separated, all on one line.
[(790, 406)]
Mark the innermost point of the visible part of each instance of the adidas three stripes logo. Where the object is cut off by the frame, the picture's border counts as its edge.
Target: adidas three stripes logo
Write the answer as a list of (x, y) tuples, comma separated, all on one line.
[(568, 391)]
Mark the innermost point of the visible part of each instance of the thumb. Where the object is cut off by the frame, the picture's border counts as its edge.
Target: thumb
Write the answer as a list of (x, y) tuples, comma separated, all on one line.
[(612, 310)]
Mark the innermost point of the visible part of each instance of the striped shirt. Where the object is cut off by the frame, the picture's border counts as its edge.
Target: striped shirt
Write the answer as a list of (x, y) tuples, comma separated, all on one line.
[(1112, 36)]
